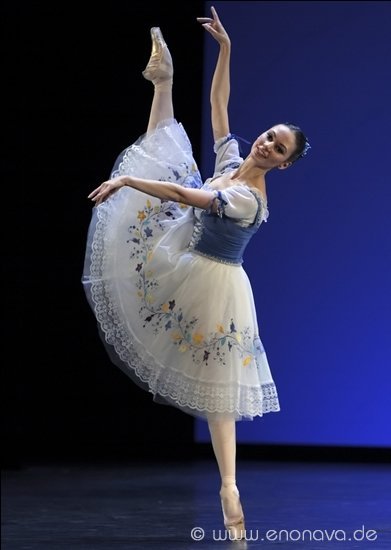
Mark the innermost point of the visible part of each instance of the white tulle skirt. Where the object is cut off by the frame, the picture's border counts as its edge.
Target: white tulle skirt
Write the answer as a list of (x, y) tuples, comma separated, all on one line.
[(180, 325)]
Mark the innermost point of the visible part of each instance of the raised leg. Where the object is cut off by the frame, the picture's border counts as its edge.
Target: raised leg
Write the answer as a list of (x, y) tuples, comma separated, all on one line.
[(159, 71)]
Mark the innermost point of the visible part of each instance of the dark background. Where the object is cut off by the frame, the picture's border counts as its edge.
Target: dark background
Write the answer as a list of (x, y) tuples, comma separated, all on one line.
[(74, 98)]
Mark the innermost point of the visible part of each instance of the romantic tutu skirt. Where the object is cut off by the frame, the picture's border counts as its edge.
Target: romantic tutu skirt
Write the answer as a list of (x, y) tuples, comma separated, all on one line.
[(180, 325)]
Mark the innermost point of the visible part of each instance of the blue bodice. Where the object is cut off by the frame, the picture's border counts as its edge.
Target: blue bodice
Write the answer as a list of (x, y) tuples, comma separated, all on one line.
[(223, 238)]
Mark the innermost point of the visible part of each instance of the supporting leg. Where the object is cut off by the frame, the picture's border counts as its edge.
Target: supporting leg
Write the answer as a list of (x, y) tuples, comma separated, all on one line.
[(223, 436)]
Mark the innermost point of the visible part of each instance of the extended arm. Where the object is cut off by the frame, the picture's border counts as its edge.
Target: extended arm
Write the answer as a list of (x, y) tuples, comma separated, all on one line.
[(220, 88), (161, 189)]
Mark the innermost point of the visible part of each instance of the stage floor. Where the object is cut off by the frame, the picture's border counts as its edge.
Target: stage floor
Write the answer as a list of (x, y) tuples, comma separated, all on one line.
[(115, 506)]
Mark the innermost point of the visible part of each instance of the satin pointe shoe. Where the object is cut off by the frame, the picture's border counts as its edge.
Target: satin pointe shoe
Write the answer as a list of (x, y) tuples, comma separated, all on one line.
[(232, 512), (159, 67)]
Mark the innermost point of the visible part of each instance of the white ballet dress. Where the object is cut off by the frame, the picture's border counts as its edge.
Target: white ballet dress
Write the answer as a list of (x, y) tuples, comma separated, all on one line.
[(173, 304)]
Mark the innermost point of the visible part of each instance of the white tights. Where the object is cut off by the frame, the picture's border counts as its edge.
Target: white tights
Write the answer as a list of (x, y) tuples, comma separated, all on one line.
[(162, 106), (223, 436)]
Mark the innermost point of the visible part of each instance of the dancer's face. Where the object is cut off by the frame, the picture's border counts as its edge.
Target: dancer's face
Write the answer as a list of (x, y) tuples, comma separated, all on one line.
[(273, 148)]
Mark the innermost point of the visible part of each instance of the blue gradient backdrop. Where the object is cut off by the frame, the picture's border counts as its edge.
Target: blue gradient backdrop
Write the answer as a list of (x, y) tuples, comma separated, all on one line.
[(321, 266)]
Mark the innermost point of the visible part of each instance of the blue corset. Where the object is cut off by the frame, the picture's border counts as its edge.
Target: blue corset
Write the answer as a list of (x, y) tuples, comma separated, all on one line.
[(221, 238)]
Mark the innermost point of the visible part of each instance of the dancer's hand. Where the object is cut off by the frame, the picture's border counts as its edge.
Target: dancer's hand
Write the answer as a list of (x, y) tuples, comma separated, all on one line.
[(215, 28), (106, 189)]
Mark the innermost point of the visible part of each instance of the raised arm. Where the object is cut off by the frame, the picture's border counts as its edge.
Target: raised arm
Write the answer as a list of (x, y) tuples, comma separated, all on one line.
[(164, 190), (220, 88)]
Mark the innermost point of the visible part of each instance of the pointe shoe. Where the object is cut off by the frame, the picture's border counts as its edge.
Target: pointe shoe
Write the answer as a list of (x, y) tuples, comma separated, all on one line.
[(159, 68), (232, 512)]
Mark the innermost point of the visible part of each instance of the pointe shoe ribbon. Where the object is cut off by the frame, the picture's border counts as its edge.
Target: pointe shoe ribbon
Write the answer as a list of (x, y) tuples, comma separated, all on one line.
[(159, 68)]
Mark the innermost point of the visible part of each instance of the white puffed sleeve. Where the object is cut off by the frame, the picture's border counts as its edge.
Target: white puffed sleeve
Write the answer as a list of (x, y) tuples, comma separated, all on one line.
[(238, 202), (227, 154)]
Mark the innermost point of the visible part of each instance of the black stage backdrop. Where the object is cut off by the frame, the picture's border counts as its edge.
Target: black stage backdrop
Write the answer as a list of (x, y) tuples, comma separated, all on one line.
[(75, 98)]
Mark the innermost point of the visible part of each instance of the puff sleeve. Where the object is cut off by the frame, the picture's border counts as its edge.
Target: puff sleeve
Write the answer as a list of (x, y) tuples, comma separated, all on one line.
[(239, 203), (227, 154)]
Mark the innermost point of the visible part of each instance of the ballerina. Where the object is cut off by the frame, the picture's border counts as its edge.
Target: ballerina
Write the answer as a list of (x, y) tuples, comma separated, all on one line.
[(163, 270)]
